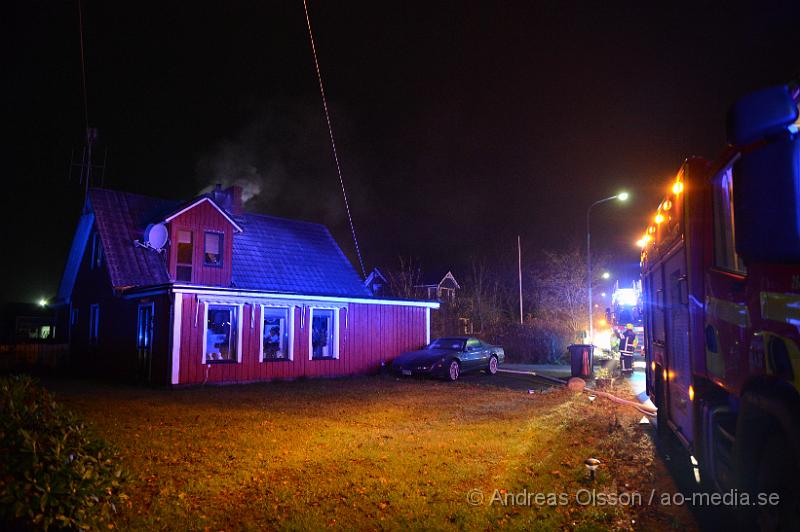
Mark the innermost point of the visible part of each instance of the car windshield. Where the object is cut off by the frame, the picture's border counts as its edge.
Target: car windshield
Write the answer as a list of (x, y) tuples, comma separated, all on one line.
[(453, 344)]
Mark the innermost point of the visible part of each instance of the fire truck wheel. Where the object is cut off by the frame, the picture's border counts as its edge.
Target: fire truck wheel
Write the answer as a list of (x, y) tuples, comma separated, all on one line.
[(778, 472)]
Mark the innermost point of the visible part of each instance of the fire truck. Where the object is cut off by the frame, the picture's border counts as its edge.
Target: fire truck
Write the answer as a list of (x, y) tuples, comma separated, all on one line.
[(721, 291)]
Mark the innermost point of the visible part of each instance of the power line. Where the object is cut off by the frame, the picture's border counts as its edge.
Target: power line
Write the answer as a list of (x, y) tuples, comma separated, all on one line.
[(333, 142), (83, 68)]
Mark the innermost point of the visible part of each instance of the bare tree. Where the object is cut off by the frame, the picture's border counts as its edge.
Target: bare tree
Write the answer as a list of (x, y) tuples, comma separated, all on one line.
[(404, 281), (560, 291)]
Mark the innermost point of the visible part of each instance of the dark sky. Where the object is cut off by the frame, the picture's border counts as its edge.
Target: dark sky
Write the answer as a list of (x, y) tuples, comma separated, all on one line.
[(459, 124)]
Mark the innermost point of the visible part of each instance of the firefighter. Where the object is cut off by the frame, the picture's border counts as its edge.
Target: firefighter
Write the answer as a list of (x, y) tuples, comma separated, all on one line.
[(626, 346)]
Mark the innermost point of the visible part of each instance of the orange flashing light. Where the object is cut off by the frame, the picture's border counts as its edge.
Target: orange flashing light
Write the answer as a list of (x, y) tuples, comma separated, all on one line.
[(691, 393)]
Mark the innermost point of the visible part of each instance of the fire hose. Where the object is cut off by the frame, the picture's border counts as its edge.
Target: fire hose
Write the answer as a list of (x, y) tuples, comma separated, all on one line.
[(579, 385)]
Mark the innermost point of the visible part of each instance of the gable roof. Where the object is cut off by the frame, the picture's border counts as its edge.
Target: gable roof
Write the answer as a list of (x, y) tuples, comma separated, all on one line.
[(197, 201), (269, 254), (375, 275), (121, 218), (281, 255), (437, 278)]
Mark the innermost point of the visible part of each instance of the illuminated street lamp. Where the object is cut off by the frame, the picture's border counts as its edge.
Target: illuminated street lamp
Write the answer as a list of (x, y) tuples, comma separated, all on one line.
[(43, 302), (622, 196), (606, 275)]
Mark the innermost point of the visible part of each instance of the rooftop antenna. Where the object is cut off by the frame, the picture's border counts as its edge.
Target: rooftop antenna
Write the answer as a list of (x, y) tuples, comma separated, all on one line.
[(333, 142), (86, 164)]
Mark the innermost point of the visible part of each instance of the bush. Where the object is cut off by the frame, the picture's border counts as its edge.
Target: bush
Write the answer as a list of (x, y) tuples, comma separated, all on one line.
[(53, 472), (536, 342)]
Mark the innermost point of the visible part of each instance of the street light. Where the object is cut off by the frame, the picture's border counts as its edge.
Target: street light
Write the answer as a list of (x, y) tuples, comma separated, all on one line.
[(622, 196), (606, 275)]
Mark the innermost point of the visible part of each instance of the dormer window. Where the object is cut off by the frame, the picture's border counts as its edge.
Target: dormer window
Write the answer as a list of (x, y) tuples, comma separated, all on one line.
[(183, 271), (212, 249)]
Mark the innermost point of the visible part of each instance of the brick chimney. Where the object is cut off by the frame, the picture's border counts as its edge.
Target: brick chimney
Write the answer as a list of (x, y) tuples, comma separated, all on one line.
[(230, 199), (233, 197)]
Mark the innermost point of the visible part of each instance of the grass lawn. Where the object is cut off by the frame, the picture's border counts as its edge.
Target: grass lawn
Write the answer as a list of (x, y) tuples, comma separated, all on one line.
[(370, 453)]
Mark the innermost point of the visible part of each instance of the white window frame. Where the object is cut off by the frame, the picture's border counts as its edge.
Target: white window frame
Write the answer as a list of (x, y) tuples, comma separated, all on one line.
[(290, 336), (240, 307), (336, 312), (94, 323)]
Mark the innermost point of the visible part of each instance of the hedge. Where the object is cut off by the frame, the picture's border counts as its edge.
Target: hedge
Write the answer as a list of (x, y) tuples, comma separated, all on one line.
[(54, 473)]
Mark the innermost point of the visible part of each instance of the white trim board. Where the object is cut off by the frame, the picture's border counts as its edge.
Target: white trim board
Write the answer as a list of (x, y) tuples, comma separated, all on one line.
[(198, 202), (177, 318), (299, 299)]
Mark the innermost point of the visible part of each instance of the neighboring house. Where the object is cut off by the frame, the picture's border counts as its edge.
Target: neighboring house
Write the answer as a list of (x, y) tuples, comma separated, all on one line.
[(221, 295), (26, 323), (439, 287), (377, 284), (443, 287)]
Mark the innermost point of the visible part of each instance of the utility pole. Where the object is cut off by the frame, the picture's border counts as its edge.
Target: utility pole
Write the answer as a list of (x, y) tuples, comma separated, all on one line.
[(519, 265)]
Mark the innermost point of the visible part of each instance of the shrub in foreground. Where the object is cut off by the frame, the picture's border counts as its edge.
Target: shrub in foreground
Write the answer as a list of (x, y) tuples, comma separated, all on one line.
[(53, 472)]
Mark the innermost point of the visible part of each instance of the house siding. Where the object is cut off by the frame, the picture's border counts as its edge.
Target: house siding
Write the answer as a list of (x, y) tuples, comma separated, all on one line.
[(115, 354), (369, 334), (199, 219)]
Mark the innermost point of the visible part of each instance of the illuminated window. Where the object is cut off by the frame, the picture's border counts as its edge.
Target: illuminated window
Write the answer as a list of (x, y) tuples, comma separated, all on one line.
[(276, 339), (324, 339), (183, 270), (725, 256), (221, 334), (212, 249)]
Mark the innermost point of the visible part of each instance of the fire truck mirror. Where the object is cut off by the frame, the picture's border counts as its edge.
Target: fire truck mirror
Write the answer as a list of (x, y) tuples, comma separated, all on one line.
[(766, 203), (761, 114)]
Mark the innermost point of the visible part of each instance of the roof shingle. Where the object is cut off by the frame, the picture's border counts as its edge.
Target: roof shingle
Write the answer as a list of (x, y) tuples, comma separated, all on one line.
[(270, 254)]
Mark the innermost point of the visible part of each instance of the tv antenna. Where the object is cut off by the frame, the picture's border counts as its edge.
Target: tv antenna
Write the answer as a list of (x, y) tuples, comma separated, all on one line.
[(86, 163)]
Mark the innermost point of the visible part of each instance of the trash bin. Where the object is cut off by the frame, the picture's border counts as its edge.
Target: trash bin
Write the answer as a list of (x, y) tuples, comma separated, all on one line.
[(581, 359)]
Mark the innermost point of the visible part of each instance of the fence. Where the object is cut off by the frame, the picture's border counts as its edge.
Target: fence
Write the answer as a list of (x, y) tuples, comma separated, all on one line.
[(33, 356)]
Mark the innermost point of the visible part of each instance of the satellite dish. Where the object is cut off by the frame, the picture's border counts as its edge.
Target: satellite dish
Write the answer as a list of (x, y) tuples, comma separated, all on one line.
[(155, 236)]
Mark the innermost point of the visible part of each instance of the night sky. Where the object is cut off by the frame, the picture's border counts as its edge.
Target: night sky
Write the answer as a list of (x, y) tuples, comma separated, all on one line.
[(459, 125)]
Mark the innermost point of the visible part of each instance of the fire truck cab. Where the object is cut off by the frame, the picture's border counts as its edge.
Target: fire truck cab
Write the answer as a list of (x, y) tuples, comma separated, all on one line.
[(721, 291)]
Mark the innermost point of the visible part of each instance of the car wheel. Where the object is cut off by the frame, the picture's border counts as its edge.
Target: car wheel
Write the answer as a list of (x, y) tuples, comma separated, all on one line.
[(491, 369), (454, 371)]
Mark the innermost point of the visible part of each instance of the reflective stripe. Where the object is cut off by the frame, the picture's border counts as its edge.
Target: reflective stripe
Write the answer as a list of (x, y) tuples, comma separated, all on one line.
[(780, 307), (729, 312)]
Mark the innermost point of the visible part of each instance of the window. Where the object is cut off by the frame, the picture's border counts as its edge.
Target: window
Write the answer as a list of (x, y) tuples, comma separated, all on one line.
[(97, 252), (183, 270), (276, 336), (212, 249), (221, 334), (452, 344), (324, 337), (725, 256), (94, 323)]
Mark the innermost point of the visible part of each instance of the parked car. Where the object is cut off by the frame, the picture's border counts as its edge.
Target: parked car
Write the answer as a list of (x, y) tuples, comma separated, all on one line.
[(450, 357)]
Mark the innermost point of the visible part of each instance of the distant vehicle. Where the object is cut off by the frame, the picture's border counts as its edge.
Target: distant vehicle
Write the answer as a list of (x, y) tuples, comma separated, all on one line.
[(626, 308), (450, 357)]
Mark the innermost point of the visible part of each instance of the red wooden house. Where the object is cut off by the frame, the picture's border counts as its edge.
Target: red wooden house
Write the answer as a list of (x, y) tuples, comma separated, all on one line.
[(214, 294)]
